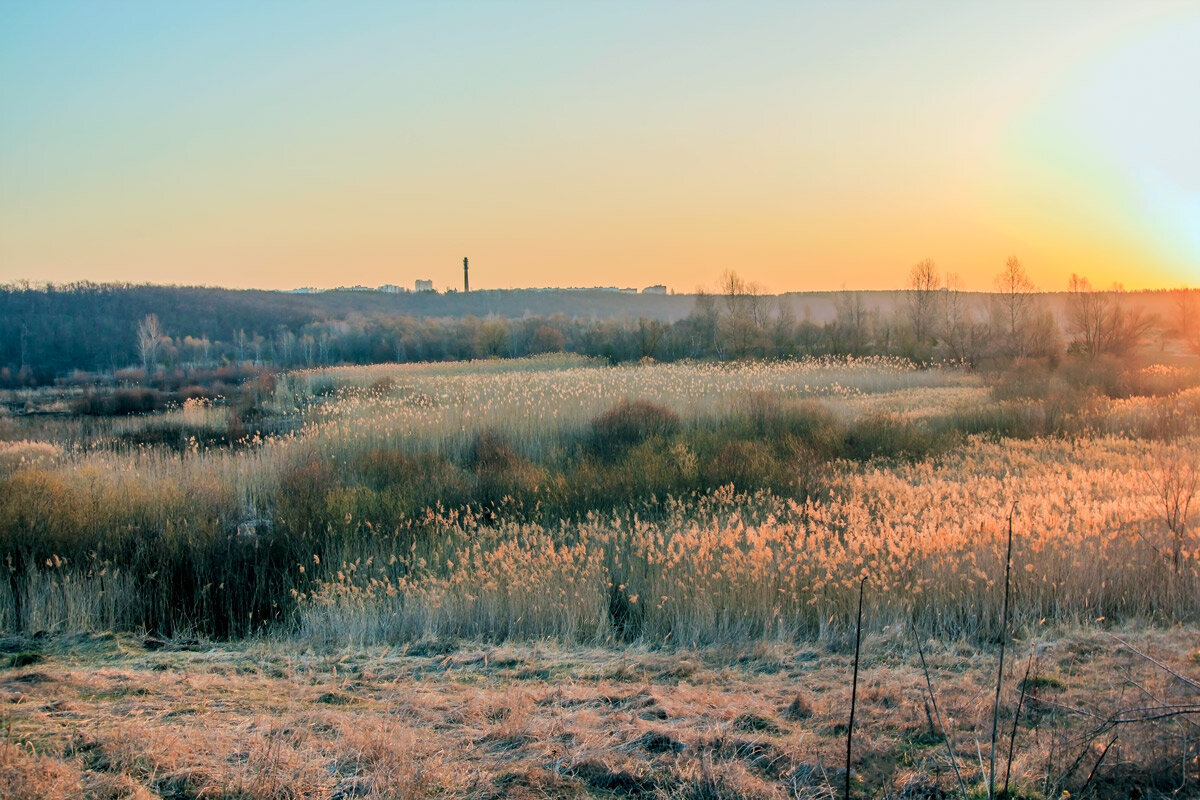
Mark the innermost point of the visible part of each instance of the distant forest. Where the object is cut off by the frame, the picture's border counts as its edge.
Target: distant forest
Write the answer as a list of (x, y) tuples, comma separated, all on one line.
[(54, 333)]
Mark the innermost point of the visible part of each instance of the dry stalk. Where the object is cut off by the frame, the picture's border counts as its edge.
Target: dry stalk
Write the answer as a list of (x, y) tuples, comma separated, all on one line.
[(854, 683), (1012, 739), (1003, 642), (938, 716), (1096, 766), (1157, 663)]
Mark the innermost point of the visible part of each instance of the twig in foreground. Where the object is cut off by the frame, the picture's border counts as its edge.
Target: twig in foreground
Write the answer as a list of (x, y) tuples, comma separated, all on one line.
[(938, 715), (854, 683)]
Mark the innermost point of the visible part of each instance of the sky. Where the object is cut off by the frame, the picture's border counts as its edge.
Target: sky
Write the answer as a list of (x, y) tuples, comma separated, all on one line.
[(806, 146)]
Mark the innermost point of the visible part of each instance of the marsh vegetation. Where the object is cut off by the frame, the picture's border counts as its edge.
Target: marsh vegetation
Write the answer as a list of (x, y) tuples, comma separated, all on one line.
[(669, 511), (538, 497)]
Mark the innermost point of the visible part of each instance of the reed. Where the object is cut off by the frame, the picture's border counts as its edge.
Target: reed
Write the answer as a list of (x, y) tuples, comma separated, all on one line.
[(508, 499)]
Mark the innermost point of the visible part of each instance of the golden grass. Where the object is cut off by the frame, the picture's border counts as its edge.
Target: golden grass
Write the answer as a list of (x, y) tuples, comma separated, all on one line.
[(102, 717), (715, 566), (1091, 542)]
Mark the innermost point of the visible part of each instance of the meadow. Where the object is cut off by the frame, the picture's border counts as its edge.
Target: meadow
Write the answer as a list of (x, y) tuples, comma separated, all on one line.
[(649, 509)]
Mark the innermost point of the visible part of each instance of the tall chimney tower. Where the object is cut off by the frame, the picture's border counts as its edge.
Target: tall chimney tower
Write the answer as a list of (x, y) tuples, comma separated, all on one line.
[(466, 280)]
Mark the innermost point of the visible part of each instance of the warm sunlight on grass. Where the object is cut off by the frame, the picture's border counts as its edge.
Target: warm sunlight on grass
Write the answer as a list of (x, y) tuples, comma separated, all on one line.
[(505, 500)]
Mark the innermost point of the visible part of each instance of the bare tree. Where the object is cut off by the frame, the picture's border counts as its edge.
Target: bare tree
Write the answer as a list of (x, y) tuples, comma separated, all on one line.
[(258, 343), (1013, 311), (649, 336), (306, 347), (1086, 312), (923, 301), (1128, 328), (1178, 482), (149, 340), (783, 326), (1045, 334), (1101, 322), (734, 289), (196, 349), (24, 347), (705, 318), (961, 334), (285, 344), (493, 339), (239, 343), (743, 302), (853, 323)]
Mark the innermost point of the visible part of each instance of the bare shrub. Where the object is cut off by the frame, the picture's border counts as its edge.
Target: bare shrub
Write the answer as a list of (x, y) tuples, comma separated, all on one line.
[(120, 402), (1178, 482)]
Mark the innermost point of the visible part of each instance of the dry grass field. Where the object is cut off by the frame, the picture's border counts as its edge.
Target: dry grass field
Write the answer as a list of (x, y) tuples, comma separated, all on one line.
[(106, 716), (552, 578)]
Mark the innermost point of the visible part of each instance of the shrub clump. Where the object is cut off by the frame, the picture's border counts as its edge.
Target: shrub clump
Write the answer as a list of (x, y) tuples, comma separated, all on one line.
[(771, 418), (121, 402), (502, 472), (630, 423), (749, 465), (892, 437), (391, 484)]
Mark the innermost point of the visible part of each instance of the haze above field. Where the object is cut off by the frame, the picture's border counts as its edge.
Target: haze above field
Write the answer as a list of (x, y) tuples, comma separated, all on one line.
[(807, 147)]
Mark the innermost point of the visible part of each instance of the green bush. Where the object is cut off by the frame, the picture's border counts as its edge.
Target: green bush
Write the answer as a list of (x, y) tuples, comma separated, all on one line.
[(1159, 381), (1105, 376), (995, 421), (188, 559), (300, 504), (1023, 381)]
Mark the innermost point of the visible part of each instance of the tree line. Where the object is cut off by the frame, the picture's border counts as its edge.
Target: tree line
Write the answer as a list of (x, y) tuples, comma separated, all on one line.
[(50, 333)]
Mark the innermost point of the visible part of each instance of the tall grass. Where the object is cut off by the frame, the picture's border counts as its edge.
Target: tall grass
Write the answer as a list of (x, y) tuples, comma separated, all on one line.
[(557, 497), (730, 566)]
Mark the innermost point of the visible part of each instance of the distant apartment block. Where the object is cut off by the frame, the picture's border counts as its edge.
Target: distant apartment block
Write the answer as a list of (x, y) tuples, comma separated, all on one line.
[(424, 286), (391, 288), (657, 288)]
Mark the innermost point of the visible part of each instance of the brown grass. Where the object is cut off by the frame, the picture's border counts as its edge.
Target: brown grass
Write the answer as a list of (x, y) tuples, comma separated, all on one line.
[(104, 717)]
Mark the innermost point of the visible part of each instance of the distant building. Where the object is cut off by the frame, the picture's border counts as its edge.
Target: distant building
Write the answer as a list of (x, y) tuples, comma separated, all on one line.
[(657, 288), (628, 290), (391, 288), (424, 286)]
